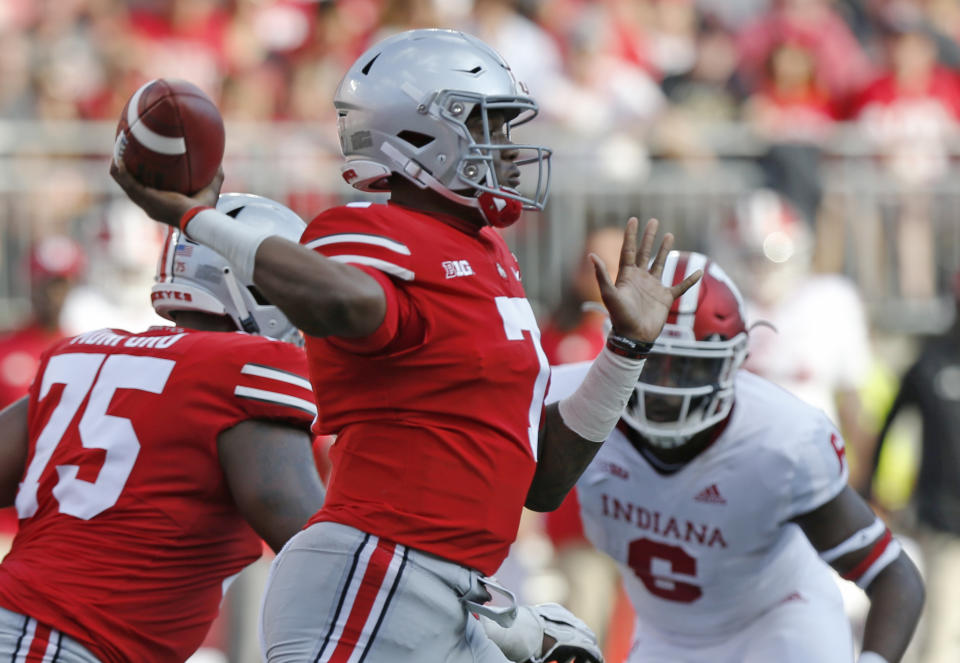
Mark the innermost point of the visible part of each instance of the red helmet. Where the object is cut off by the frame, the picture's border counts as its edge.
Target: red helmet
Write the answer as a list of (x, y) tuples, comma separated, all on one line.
[(686, 385)]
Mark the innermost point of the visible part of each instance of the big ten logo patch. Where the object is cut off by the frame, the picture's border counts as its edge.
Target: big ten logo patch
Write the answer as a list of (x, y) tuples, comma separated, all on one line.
[(454, 268)]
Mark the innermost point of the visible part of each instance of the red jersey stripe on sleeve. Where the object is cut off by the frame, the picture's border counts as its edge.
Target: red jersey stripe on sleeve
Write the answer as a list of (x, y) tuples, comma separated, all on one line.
[(276, 374), (384, 266), (276, 386), (276, 398), (360, 238)]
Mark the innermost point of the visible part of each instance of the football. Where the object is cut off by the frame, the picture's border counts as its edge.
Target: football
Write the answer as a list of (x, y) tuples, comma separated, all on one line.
[(170, 136)]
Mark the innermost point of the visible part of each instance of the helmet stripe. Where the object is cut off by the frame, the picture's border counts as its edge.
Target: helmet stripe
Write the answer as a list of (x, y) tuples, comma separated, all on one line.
[(689, 299), (670, 268), (360, 238), (165, 265)]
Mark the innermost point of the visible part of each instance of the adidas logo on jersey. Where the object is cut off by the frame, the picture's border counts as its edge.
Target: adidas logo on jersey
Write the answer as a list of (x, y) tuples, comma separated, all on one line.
[(710, 494), (455, 268)]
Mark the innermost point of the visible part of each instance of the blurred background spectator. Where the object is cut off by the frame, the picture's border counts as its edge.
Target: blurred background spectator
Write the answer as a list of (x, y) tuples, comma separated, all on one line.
[(54, 265), (810, 332), (842, 114), (577, 328), (931, 388)]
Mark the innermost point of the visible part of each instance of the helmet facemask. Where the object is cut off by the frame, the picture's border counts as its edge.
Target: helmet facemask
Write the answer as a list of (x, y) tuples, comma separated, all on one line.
[(684, 389), (477, 169)]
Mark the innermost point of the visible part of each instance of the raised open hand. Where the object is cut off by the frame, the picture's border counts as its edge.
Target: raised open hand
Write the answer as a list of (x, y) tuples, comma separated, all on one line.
[(164, 206), (638, 302)]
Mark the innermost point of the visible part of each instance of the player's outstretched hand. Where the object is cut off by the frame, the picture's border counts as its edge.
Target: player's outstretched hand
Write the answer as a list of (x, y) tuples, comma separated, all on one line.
[(164, 206), (638, 302)]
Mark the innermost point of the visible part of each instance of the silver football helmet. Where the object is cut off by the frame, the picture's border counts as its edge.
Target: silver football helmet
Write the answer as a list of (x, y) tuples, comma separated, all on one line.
[(192, 277), (403, 107)]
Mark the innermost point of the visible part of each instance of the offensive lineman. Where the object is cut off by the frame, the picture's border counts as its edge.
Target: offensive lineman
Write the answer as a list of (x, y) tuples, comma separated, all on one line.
[(425, 357), (721, 496), (150, 465)]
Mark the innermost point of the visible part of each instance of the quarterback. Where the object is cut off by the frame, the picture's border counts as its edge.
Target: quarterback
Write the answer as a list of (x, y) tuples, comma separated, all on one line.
[(723, 498), (147, 467), (425, 358)]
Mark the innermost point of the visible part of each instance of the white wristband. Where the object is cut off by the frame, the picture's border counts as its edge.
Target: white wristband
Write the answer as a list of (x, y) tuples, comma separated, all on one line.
[(871, 657), (236, 242), (595, 407), (519, 642)]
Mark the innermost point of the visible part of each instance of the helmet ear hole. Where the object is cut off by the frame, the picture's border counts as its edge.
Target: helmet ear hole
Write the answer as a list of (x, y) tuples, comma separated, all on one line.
[(415, 138)]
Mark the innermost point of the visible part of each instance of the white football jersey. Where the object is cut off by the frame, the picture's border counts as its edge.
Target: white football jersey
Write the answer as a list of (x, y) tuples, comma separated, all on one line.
[(706, 550)]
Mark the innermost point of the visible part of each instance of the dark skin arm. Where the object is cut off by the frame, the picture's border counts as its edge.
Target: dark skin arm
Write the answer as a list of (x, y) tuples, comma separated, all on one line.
[(272, 476), (13, 452), (564, 456), (896, 594), (321, 297), (638, 304)]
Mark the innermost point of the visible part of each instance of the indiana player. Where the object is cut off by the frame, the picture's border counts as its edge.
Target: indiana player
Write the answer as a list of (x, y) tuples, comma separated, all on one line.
[(724, 497), (425, 357), (151, 464)]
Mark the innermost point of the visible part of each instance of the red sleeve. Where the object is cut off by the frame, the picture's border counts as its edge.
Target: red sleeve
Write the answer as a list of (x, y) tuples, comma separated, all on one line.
[(259, 378), (363, 238), (402, 327), (272, 384)]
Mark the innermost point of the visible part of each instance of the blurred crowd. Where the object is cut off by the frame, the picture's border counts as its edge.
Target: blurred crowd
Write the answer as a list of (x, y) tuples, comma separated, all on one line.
[(790, 67), (635, 80)]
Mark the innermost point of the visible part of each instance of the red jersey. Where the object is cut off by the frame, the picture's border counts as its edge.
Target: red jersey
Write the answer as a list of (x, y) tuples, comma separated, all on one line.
[(437, 413), (128, 531)]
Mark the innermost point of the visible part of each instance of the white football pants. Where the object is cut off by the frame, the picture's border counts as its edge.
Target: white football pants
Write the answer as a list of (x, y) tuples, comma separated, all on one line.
[(336, 594), (21, 635)]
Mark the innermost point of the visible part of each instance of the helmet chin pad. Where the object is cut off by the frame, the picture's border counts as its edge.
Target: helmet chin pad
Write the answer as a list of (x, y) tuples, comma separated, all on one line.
[(499, 211)]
